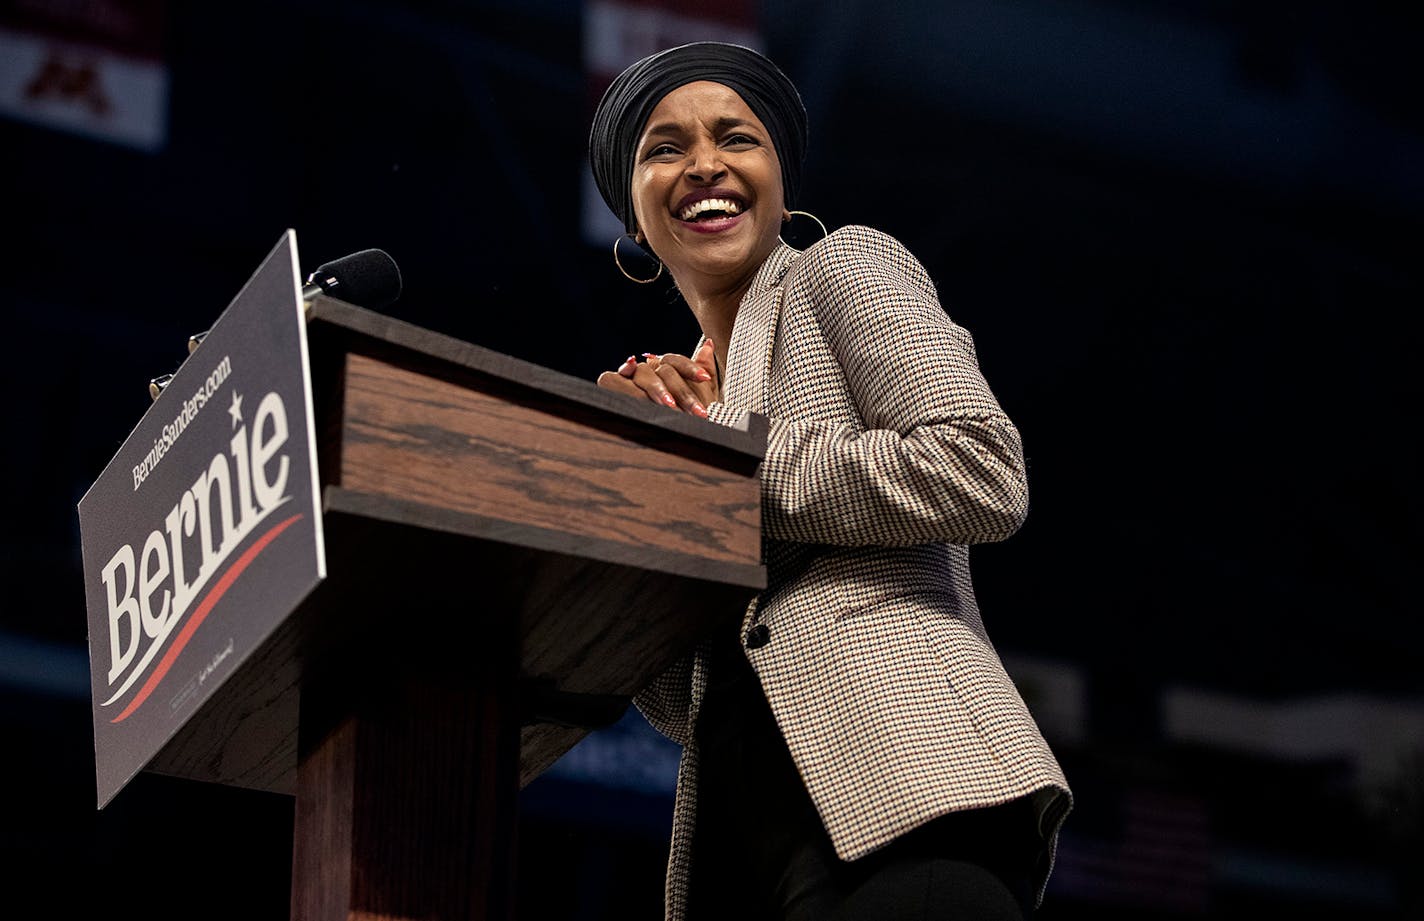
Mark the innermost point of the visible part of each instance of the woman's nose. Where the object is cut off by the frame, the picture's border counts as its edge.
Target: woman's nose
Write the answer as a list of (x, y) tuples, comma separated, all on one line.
[(706, 164)]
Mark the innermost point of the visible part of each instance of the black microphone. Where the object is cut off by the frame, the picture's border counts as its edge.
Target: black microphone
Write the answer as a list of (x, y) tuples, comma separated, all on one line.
[(369, 278)]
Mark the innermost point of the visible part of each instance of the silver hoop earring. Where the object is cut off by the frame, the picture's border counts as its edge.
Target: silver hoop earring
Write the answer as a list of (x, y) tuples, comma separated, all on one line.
[(824, 232), (641, 281)]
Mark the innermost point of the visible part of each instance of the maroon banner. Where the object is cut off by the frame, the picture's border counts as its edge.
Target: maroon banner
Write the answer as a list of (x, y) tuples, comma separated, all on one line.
[(94, 69)]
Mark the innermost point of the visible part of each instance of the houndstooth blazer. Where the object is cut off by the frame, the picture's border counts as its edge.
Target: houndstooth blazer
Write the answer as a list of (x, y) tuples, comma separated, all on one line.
[(887, 456)]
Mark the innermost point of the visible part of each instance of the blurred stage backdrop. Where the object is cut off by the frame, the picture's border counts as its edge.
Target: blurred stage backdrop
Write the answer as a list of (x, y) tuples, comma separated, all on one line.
[(1187, 238)]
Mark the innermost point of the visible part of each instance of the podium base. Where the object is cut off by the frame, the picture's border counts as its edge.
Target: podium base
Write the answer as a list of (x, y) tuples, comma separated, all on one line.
[(406, 803)]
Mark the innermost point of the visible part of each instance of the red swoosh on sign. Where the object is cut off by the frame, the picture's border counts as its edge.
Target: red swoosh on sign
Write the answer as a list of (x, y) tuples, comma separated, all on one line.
[(205, 607)]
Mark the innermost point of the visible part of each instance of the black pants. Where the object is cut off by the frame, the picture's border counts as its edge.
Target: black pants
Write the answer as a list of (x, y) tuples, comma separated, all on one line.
[(760, 851)]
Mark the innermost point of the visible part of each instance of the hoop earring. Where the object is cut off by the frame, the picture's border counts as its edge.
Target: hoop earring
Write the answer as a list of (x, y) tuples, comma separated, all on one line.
[(641, 281), (824, 232)]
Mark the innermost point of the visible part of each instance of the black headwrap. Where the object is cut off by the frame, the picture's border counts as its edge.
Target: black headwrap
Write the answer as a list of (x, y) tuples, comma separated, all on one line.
[(623, 112)]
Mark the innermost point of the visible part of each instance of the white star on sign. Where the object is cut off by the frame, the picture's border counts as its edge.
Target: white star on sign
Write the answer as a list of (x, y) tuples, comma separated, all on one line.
[(235, 410)]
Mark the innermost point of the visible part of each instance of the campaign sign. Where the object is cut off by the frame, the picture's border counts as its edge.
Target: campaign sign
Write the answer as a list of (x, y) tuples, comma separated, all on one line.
[(204, 531)]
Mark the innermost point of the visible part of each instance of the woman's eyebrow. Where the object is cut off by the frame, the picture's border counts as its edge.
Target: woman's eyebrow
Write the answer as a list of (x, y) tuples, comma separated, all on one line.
[(663, 129), (666, 129), (728, 122)]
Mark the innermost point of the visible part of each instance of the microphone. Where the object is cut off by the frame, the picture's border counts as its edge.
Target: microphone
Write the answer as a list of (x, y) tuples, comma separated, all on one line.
[(369, 278)]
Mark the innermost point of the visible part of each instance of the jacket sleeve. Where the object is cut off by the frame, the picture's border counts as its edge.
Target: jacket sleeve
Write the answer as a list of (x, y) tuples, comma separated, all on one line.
[(934, 458), (666, 702)]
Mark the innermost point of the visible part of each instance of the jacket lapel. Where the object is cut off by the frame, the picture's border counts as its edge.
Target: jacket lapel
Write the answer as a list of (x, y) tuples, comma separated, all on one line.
[(754, 334)]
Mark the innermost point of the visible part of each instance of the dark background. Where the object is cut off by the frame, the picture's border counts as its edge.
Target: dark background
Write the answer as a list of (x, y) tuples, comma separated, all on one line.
[(1186, 237)]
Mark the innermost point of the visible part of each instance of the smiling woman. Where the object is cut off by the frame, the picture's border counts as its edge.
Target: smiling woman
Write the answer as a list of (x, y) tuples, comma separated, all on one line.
[(856, 749), (707, 196)]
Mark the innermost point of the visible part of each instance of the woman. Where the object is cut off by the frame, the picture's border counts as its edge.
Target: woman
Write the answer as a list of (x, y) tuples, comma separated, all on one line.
[(857, 750)]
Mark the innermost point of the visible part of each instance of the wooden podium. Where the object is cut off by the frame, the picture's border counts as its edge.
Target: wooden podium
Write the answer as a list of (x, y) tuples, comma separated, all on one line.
[(511, 554)]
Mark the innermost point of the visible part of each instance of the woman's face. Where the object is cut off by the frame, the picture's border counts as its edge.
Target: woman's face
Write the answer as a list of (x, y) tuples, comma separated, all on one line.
[(707, 186)]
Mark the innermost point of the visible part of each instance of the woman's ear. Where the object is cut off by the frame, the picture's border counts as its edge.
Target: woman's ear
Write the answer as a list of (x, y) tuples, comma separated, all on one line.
[(638, 237), (785, 216)]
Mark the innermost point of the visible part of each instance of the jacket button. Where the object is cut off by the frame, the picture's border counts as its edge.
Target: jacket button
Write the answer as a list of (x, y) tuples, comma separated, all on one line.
[(758, 636)]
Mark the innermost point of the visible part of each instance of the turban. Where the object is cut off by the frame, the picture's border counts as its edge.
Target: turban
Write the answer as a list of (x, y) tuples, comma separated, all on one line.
[(631, 98)]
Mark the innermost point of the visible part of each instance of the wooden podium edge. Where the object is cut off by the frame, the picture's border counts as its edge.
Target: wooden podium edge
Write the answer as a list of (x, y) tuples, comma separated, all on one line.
[(339, 501)]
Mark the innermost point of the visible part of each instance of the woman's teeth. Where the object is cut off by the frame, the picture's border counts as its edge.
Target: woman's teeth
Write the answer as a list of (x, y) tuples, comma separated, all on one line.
[(698, 208)]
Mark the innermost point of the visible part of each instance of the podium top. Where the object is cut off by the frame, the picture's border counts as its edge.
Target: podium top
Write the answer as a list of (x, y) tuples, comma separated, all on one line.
[(348, 319)]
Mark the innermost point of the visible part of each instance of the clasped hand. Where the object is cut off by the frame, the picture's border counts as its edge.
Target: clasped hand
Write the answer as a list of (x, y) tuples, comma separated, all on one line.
[(675, 381)]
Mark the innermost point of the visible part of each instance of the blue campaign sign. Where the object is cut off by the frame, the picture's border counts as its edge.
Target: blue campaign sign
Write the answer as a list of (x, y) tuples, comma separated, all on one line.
[(204, 531)]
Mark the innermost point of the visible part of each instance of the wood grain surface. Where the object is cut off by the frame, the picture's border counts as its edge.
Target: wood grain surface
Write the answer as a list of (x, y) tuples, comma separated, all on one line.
[(415, 437)]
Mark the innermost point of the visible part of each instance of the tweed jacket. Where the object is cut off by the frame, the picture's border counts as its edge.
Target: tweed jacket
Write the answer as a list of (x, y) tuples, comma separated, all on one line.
[(887, 456)]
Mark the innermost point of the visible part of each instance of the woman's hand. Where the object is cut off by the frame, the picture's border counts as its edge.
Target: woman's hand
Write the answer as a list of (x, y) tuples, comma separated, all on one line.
[(674, 381)]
